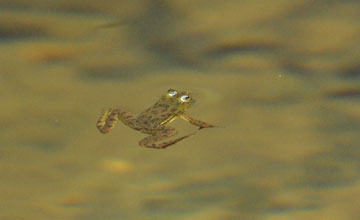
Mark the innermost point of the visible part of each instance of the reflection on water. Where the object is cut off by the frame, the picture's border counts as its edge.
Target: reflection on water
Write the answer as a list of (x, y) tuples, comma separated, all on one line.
[(281, 76)]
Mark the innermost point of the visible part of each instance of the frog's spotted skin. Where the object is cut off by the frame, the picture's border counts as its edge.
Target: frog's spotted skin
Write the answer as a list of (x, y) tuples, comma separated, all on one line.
[(154, 120), (108, 119), (161, 135)]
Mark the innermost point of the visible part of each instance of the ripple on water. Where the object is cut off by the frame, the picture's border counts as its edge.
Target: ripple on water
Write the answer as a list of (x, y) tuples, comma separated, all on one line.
[(344, 93), (21, 30), (352, 71)]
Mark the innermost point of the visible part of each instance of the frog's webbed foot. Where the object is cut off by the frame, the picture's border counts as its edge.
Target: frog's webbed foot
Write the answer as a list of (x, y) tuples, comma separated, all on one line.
[(107, 121), (109, 118), (150, 141), (196, 122)]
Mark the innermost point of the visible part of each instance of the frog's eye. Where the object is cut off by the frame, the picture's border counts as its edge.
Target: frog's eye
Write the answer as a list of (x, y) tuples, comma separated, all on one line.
[(185, 98), (172, 92)]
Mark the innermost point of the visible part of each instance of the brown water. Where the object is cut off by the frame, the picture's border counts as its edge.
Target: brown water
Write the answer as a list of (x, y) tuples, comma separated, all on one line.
[(281, 76)]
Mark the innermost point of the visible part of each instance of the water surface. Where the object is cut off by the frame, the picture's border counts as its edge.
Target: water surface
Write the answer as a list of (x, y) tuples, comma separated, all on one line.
[(280, 76)]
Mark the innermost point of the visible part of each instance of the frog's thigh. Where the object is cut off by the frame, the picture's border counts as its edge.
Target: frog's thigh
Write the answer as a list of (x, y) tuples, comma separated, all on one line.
[(108, 120), (196, 122), (128, 119)]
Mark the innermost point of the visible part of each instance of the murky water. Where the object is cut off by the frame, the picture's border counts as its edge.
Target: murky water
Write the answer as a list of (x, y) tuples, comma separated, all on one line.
[(281, 76)]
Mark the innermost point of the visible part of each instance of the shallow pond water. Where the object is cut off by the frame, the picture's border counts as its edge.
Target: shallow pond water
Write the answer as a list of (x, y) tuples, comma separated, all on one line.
[(282, 77)]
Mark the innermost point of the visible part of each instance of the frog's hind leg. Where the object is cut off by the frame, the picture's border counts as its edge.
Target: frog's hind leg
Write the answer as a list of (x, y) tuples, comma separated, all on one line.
[(108, 120), (196, 122), (150, 141)]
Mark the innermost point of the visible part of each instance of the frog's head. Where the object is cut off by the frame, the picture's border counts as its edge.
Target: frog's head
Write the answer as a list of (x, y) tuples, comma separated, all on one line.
[(171, 105), (176, 101)]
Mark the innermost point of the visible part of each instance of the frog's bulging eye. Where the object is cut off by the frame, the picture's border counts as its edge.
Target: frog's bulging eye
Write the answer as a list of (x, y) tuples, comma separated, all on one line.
[(172, 92), (185, 98)]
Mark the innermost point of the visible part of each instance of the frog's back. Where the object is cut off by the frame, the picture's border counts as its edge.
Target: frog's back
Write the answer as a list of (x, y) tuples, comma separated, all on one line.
[(160, 112)]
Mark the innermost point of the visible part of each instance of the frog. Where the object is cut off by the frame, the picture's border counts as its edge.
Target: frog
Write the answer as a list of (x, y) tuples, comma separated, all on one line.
[(155, 120)]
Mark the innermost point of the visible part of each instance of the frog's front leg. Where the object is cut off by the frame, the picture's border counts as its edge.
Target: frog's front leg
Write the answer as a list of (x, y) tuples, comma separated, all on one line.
[(168, 131), (108, 119), (196, 122)]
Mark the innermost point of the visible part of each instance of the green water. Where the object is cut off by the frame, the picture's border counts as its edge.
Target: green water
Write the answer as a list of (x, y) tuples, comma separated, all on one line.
[(282, 77)]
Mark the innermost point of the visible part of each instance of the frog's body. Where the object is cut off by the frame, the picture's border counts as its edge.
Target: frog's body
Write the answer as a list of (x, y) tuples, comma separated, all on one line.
[(155, 119)]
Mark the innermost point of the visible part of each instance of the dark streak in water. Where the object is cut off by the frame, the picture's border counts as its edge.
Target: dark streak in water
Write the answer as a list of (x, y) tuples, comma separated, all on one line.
[(345, 93), (241, 47), (296, 68), (351, 71), (14, 31), (45, 145), (288, 208), (107, 73)]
